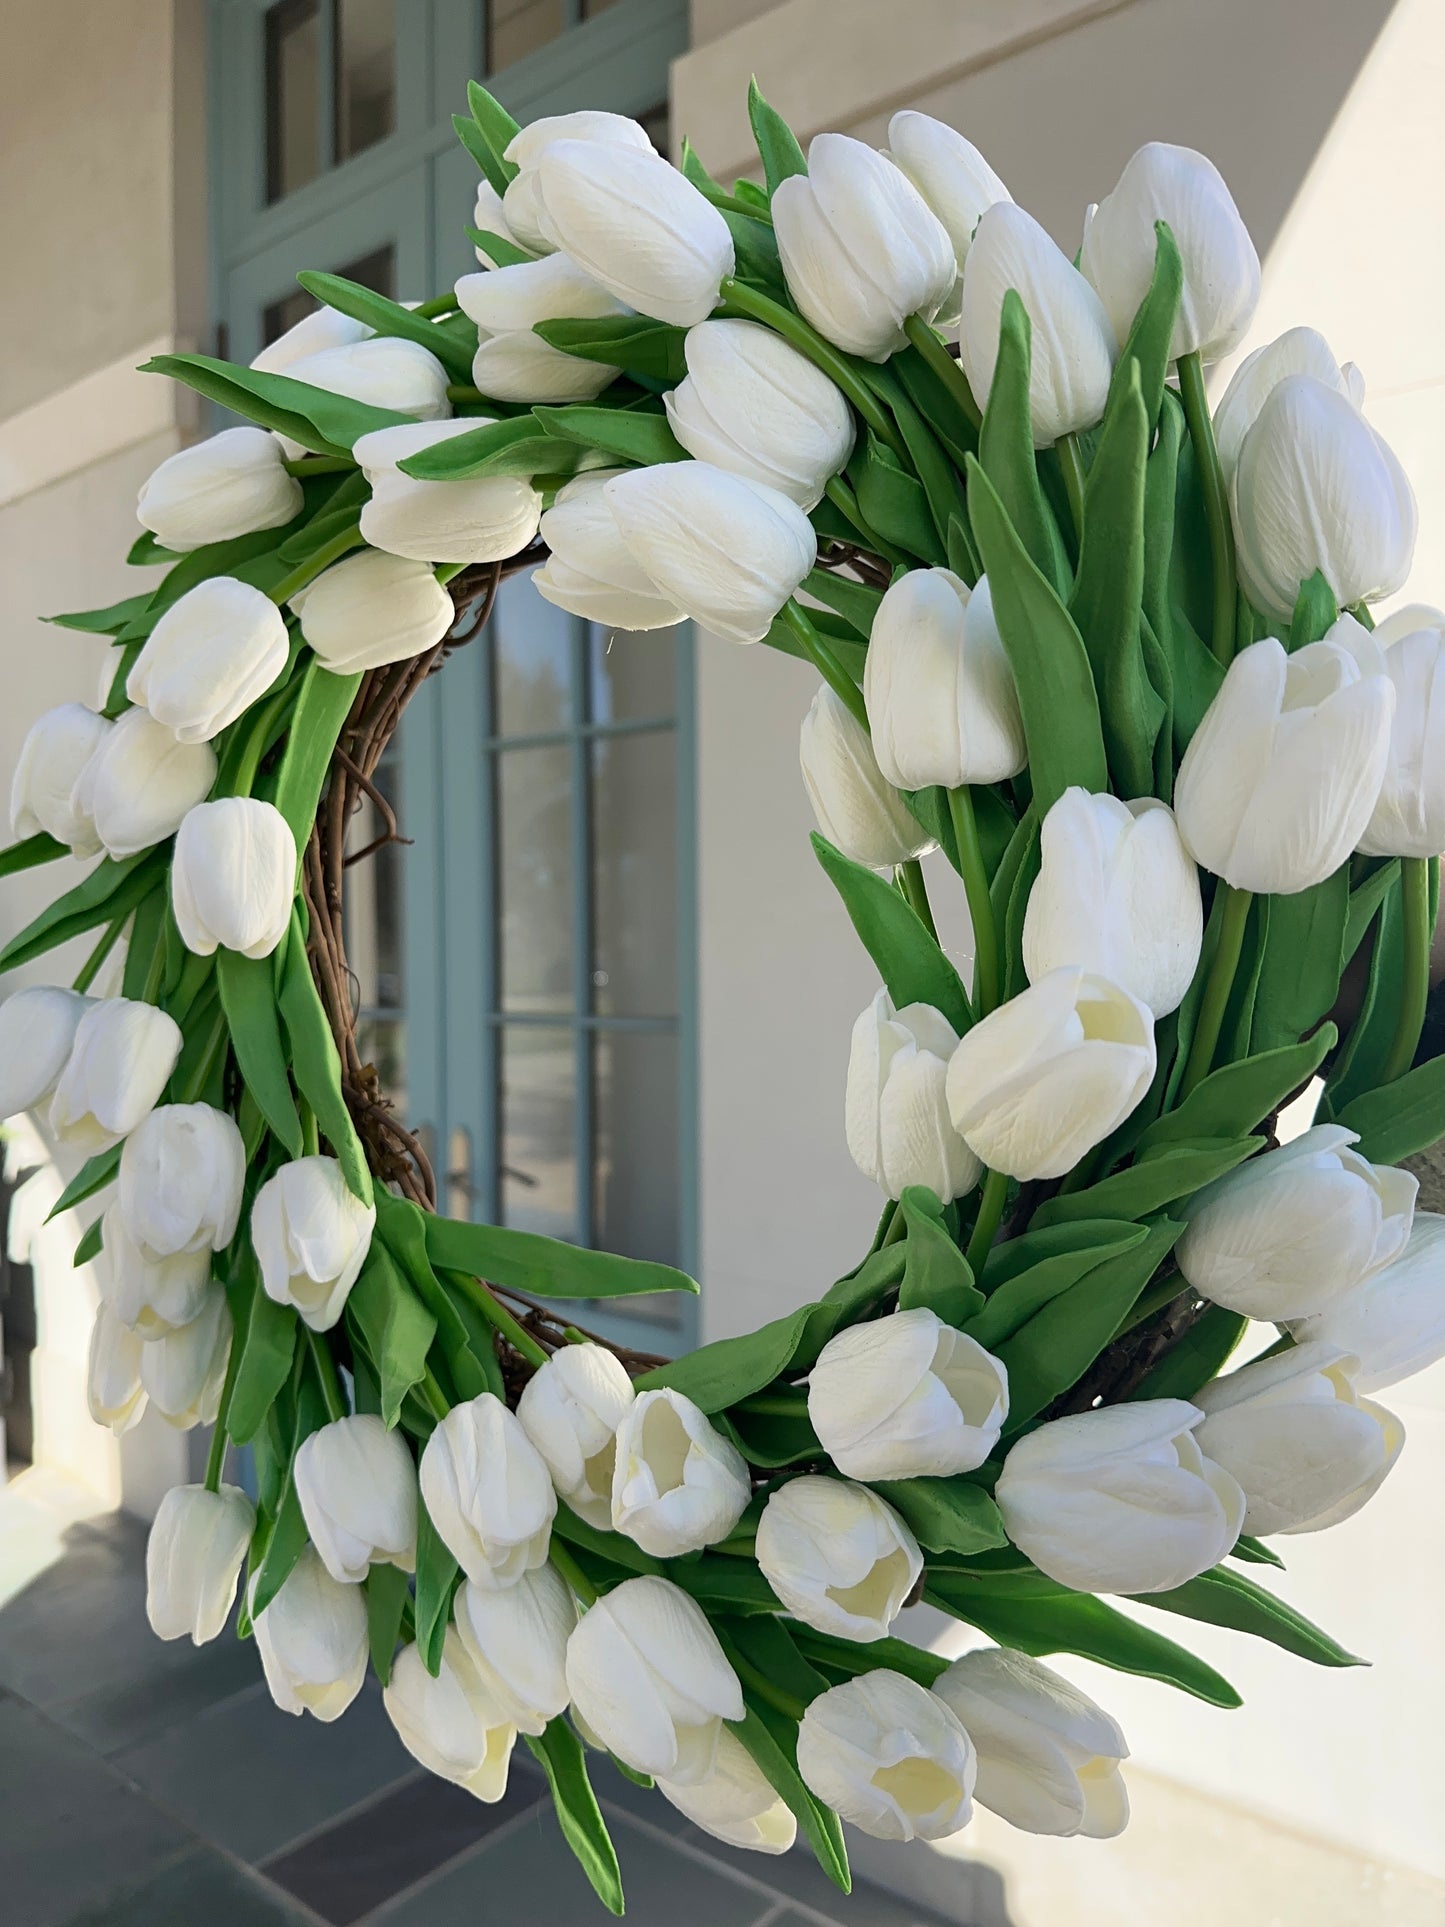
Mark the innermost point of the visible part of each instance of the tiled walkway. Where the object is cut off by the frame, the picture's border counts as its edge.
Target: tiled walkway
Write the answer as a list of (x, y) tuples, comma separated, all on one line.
[(150, 1785)]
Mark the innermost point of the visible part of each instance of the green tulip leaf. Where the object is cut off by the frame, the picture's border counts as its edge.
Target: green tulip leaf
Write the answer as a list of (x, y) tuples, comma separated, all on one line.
[(1151, 338), (718, 1375), (387, 1597), (248, 998), (288, 1538), (651, 349), (1234, 1101), (630, 436), (772, 1740), (113, 889), (1025, 1273), (1006, 446), (1172, 1171), (322, 706), (936, 1275), (1222, 1597), (390, 318), (548, 1267), (327, 424), (946, 1515), (1402, 1118), (92, 1176), (395, 1326), (105, 622), (855, 602), (908, 959), (1315, 612), (315, 1064), (437, 1577), (777, 143), (559, 1752), (265, 1343), (894, 503)]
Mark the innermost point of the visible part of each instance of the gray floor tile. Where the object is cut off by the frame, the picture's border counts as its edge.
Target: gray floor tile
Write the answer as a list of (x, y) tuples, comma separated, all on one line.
[(254, 1779), (71, 1830), (198, 1887), (179, 1682), (80, 1627)]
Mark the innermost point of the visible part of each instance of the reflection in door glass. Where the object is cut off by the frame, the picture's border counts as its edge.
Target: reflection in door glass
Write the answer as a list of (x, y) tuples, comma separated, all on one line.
[(365, 74), (634, 874), (293, 96), (531, 661), (519, 27), (635, 1182), (538, 1104), (534, 851)]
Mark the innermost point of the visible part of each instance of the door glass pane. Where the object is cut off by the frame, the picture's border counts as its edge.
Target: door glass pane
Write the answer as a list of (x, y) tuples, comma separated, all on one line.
[(634, 867), (635, 1185), (376, 271), (293, 120), (382, 1041), (365, 74), (531, 661), (518, 27), (538, 1107), (631, 676), (534, 864), (280, 315)]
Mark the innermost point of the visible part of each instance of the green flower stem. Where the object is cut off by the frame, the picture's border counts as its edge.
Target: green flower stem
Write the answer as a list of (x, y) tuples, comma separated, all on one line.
[(307, 571), (433, 1396), (929, 344), (910, 879), (500, 1319), (263, 720), (85, 976), (306, 465), (326, 1372), (156, 974), (990, 1212), (464, 391), (1218, 987), (764, 1687), (1415, 987), (568, 1567), (816, 649), (761, 307), (846, 502), (1071, 461), (980, 903), (216, 1457), (440, 304), (1216, 501)]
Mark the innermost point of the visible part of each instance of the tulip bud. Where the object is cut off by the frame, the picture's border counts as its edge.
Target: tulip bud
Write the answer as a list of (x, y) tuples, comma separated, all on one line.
[(512, 363), (233, 877), (217, 649), (153, 1296), (489, 217), (838, 1557), (37, 1035), (855, 808), (1394, 1321), (861, 249), (383, 371), (1409, 814), (648, 1676), (229, 485), (488, 1493), (322, 328), (1074, 345), (194, 1555), (686, 524), (736, 1802), (122, 1055), (1290, 1232), (57, 749), (516, 1638), (521, 206), (949, 172), (1298, 351), (114, 1395), (1161, 182), (570, 1409), (1048, 1757), (450, 1723), (311, 1234), (1316, 487), (636, 225), (590, 571), (482, 519), (942, 702), (1306, 1450), (373, 608), (889, 1757), (312, 1641), (1117, 893), (181, 1174), (677, 1484), (753, 405), (898, 1128), (1120, 1499), (357, 1487), (140, 782), (906, 1397), (184, 1370), (1048, 1075)]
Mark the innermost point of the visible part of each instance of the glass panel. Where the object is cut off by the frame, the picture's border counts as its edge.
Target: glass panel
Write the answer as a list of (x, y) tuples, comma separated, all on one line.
[(293, 120), (460, 1186), (631, 675), (634, 865), (280, 315), (382, 1041), (365, 74), (518, 27), (538, 1102), (531, 661), (376, 271), (635, 1179), (534, 862)]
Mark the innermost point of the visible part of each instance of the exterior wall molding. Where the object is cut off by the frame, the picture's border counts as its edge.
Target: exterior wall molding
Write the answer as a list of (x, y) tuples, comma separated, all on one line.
[(108, 410)]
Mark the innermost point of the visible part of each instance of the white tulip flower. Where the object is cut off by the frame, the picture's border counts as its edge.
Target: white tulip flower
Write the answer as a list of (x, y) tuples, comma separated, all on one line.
[(312, 1641), (483, 518), (752, 404), (357, 1487), (514, 364), (450, 1723), (855, 807), (1161, 182), (121, 1057), (1120, 1499), (322, 328), (1048, 1756), (649, 1678), (383, 371), (217, 649), (228, 485), (520, 204), (487, 1490), (1315, 487), (727, 551), (736, 1802), (181, 1175), (489, 217), (838, 1557), (311, 1235), (194, 1555), (153, 1296), (1393, 1322), (372, 609), (140, 782), (896, 1110), (1307, 1450), (58, 747), (183, 1371), (942, 702), (516, 1638), (861, 249), (906, 1397), (677, 1483), (590, 571), (1118, 893), (37, 1036), (1298, 351), (889, 1757), (570, 1409), (1289, 1233), (1409, 814), (114, 1395), (1073, 342), (233, 877), (951, 175), (1048, 1075)]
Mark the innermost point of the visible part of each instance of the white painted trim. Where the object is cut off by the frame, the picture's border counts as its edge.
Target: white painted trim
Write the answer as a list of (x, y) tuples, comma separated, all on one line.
[(97, 416)]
